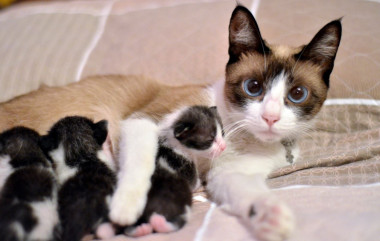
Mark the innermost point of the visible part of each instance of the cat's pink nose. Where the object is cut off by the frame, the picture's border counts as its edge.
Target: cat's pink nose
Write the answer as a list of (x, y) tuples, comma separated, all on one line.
[(270, 119)]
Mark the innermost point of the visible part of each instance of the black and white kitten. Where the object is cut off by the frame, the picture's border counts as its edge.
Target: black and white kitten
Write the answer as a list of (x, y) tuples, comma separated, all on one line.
[(85, 170), (28, 197), (184, 136)]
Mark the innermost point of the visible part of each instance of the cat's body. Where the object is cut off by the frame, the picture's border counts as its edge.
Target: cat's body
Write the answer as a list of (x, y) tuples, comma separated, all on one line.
[(85, 173), (269, 95), (28, 190), (184, 136)]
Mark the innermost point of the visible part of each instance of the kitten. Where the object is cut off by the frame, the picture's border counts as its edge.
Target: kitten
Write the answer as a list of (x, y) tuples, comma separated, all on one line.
[(85, 172), (184, 136), (269, 97), (28, 203)]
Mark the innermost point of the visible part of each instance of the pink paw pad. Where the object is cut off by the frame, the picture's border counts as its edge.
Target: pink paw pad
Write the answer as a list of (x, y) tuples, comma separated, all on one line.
[(105, 231), (142, 230), (160, 225)]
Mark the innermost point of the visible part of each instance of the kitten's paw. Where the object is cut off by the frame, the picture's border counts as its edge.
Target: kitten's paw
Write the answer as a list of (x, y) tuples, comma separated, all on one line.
[(270, 219), (138, 231), (105, 231), (125, 207), (160, 224)]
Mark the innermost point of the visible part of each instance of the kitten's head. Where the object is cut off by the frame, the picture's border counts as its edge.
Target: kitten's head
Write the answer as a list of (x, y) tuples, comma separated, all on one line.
[(76, 138), (276, 90), (21, 144), (199, 130)]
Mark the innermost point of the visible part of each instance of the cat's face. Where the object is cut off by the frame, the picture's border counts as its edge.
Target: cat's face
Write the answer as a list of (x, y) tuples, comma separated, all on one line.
[(199, 129), (274, 91)]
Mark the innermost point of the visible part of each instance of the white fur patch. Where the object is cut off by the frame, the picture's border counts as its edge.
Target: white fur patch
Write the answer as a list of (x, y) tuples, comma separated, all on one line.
[(19, 230), (64, 172), (5, 169), (163, 163), (46, 213), (107, 159), (138, 148)]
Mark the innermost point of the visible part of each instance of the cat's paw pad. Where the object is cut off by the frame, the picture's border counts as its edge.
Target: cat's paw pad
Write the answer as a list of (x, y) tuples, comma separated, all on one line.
[(105, 231), (126, 208), (270, 219), (160, 224), (138, 231)]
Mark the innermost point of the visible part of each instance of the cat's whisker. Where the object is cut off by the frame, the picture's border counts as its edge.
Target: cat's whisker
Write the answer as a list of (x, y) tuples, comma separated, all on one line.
[(227, 130), (237, 125), (232, 125), (236, 130)]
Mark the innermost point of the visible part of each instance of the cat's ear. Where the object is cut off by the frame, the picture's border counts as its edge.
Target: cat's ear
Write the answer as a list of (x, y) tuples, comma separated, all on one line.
[(244, 34), (101, 131), (183, 130), (323, 47)]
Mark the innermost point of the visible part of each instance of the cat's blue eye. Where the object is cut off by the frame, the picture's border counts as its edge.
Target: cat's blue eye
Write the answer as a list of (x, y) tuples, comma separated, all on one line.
[(298, 94), (253, 87)]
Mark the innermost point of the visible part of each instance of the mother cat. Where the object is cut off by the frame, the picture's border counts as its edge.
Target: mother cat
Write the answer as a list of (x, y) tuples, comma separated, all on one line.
[(268, 98)]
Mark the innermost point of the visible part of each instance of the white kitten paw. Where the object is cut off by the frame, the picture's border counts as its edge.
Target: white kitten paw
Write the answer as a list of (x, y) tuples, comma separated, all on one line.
[(270, 219), (126, 207)]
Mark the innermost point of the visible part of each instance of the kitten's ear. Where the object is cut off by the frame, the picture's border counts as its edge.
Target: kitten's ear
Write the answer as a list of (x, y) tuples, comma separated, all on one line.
[(101, 131), (214, 109), (323, 47), (244, 34), (46, 143), (182, 130)]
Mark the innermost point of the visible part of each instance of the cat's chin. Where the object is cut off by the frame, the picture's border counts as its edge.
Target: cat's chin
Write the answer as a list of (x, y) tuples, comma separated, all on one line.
[(268, 136)]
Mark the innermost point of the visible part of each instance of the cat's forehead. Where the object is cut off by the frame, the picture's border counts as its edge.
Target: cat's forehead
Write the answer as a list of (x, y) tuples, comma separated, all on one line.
[(281, 60)]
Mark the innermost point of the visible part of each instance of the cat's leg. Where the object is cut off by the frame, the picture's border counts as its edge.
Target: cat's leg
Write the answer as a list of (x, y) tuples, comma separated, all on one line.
[(247, 196), (138, 148)]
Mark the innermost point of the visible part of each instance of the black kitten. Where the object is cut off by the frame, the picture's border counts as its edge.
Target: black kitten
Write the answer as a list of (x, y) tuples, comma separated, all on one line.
[(185, 135), (28, 197), (85, 170)]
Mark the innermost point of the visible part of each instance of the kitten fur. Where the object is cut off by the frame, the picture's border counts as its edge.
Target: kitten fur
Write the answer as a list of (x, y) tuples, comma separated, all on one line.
[(75, 145), (184, 135), (28, 198), (254, 104)]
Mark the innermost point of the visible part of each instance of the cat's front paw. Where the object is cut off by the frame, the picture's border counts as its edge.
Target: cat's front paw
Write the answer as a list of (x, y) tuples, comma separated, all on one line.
[(126, 207), (270, 219)]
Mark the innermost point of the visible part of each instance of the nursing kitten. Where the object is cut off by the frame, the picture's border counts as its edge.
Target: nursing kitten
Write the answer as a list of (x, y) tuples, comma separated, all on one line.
[(28, 198), (267, 100), (85, 172), (184, 136)]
